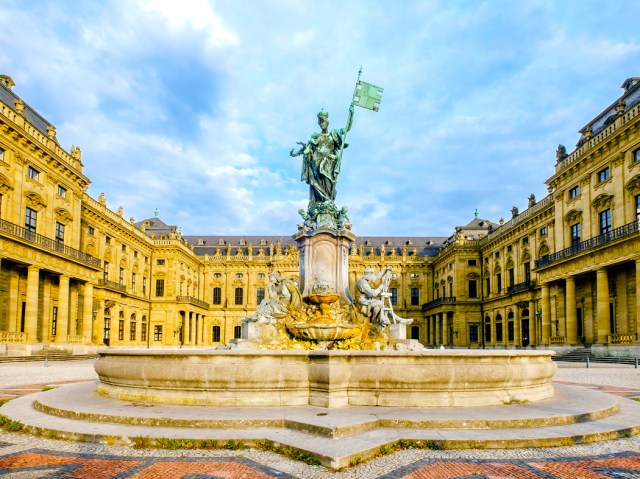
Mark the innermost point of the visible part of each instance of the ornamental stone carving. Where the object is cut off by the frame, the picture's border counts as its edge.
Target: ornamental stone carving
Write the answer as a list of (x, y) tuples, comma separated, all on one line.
[(602, 201), (35, 201), (63, 216), (5, 185), (633, 185), (573, 216)]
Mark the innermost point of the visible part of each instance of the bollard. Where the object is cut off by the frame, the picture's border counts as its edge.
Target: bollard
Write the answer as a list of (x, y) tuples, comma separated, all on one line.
[(587, 362), (46, 362), (636, 363)]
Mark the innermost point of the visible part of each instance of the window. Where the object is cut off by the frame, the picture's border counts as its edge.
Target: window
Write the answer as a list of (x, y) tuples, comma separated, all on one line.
[(215, 334), (144, 285), (91, 230), (259, 295), (217, 295), (498, 332), (59, 232), (472, 262), (159, 287), (415, 332), (105, 271), (509, 249), (143, 330), (525, 240), (473, 333), (543, 231), (637, 207), (512, 277), (510, 331), (487, 330), (133, 282), (415, 296), (217, 275), (605, 221), (124, 248), (261, 275), (121, 277), (157, 332), (575, 234), (527, 272), (237, 332), (30, 220), (394, 296), (107, 239), (574, 192), (239, 275), (499, 283), (132, 331), (33, 173), (121, 330), (415, 275), (160, 262), (497, 255), (636, 155), (135, 254), (2, 154), (62, 191), (603, 174), (239, 293), (487, 286), (473, 288)]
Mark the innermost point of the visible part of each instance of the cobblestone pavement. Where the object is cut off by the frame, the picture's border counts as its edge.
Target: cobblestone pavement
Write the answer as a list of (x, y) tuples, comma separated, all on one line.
[(25, 457)]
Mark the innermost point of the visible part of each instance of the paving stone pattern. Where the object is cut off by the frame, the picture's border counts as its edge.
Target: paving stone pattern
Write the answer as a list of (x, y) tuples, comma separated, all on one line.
[(26, 457)]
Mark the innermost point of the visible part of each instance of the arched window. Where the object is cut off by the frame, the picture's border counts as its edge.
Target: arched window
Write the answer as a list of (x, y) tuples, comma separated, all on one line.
[(215, 334)]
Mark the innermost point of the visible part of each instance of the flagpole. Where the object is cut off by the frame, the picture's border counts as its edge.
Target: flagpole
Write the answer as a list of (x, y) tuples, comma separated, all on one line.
[(346, 130)]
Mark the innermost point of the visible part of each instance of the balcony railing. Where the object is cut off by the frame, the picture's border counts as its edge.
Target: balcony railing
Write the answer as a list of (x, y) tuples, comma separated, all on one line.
[(52, 245), (192, 300), (520, 287), (621, 338), (436, 302), (12, 337), (618, 233), (105, 283)]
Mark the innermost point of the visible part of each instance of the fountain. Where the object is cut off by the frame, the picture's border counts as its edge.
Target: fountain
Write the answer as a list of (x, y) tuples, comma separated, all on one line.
[(313, 343)]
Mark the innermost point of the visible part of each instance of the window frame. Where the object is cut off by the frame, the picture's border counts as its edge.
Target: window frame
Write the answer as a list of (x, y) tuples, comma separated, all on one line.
[(217, 295), (574, 192), (415, 296), (159, 287), (33, 173), (30, 220), (603, 175), (238, 296), (604, 221), (575, 233), (59, 232)]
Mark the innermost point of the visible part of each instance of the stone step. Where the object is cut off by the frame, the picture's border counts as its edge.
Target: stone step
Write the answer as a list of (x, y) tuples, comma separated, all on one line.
[(336, 437)]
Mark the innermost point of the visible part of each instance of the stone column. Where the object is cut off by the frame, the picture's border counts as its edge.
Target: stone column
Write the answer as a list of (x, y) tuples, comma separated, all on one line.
[(545, 306), (438, 340), (602, 298), (186, 333), (63, 310), (533, 335), (201, 330), (87, 313), (445, 329), (572, 317), (98, 329), (31, 310), (13, 314), (517, 327)]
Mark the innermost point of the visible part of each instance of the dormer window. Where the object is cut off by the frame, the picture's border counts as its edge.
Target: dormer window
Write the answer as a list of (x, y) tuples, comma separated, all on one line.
[(220, 242)]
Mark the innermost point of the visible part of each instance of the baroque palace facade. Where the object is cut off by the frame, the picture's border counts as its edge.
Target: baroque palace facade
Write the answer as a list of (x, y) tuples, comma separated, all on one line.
[(563, 273)]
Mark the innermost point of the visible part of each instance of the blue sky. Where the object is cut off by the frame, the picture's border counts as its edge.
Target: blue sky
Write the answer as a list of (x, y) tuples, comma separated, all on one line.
[(192, 107)]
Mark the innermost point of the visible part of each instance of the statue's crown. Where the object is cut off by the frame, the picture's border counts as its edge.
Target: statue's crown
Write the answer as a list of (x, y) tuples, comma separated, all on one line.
[(323, 114)]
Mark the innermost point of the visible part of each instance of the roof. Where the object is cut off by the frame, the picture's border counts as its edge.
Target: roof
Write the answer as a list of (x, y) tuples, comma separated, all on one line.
[(207, 244), (9, 97), (155, 225)]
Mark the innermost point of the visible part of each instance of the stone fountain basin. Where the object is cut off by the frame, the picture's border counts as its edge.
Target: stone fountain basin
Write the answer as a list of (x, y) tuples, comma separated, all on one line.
[(429, 378), (324, 332)]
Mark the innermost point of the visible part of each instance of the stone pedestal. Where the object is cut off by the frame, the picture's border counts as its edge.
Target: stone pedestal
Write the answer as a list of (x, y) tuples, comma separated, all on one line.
[(324, 261), (398, 331)]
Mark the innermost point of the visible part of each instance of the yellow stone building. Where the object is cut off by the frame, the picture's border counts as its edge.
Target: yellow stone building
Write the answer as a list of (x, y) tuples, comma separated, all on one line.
[(76, 275)]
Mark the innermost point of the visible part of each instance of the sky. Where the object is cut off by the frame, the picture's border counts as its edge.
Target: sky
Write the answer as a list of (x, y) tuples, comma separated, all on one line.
[(191, 108)]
